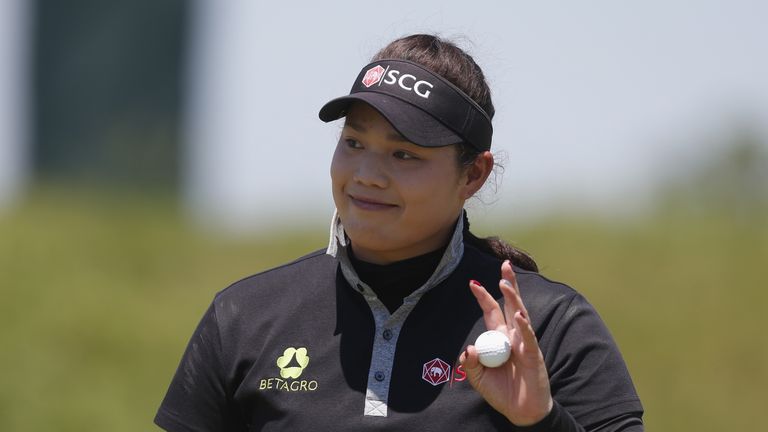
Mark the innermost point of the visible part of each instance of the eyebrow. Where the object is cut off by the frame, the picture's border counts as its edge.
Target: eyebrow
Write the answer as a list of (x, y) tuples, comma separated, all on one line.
[(362, 129)]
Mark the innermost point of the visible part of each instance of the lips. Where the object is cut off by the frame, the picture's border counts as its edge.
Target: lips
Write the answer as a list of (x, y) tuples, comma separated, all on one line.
[(367, 203)]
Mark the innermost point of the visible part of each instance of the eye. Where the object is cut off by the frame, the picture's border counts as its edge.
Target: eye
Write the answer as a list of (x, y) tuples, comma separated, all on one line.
[(403, 155), (352, 143)]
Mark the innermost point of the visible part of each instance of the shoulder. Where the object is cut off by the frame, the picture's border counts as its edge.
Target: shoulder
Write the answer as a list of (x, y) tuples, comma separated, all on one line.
[(548, 302), (313, 262), (535, 288), (540, 292), (300, 277)]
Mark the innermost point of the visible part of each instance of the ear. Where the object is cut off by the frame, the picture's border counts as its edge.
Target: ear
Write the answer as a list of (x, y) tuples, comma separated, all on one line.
[(476, 174)]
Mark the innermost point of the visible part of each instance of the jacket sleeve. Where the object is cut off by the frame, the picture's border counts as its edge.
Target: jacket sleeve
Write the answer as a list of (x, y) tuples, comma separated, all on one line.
[(197, 399), (589, 380), (559, 420)]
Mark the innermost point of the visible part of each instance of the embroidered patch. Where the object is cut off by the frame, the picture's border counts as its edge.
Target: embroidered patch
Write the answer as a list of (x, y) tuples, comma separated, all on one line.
[(436, 372), (373, 75), (292, 364)]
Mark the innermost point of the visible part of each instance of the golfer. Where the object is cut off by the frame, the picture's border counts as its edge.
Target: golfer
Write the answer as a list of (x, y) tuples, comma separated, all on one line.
[(375, 332)]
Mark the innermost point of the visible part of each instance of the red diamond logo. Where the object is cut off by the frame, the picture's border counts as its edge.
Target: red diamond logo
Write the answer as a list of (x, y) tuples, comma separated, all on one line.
[(373, 75), (436, 372)]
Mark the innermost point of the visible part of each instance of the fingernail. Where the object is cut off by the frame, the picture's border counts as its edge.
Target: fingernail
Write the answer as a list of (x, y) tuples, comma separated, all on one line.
[(475, 282), (507, 283)]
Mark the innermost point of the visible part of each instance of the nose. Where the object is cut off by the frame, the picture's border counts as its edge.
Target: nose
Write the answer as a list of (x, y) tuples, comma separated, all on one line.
[(371, 172)]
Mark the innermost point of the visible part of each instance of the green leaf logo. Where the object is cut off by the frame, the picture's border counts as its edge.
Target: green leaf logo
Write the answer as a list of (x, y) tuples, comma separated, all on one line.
[(292, 362)]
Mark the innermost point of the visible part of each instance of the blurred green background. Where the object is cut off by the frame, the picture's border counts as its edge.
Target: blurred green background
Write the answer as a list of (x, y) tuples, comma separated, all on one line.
[(102, 291), (103, 277)]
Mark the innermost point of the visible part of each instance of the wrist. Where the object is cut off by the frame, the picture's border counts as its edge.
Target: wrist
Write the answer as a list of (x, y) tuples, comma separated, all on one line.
[(546, 424)]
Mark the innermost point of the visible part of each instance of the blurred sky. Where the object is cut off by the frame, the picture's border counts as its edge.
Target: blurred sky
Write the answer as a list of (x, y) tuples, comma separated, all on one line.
[(593, 98), (597, 101)]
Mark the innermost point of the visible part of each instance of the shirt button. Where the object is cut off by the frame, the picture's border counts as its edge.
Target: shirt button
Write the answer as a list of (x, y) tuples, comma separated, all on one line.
[(387, 334), (379, 376)]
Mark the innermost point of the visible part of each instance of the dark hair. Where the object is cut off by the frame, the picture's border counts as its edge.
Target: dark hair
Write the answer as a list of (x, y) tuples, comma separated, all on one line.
[(452, 63)]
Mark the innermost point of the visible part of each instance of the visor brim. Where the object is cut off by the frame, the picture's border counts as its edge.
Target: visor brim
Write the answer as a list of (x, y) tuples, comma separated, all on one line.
[(411, 122)]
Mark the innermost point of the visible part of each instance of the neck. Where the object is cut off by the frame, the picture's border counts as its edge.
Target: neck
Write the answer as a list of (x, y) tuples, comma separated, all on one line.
[(390, 257)]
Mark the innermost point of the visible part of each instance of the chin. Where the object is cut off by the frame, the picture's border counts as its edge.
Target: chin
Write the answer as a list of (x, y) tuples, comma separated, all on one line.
[(372, 237), (369, 237)]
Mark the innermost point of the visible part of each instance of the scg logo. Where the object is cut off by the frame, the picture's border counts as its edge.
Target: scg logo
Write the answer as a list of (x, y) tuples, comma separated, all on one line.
[(406, 81)]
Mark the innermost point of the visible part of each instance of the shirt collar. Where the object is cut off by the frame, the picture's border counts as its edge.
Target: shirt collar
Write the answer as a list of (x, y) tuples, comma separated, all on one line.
[(338, 238), (338, 247)]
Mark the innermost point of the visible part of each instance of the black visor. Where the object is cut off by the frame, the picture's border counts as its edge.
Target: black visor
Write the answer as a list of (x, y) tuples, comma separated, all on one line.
[(424, 107)]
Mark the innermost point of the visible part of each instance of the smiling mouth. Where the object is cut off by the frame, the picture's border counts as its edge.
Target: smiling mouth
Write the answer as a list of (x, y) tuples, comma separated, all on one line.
[(369, 204)]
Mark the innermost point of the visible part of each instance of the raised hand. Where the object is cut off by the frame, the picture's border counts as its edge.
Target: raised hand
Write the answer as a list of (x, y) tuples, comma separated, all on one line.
[(519, 388)]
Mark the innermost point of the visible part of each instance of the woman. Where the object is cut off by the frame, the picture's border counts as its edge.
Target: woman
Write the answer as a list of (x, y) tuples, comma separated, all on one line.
[(375, 332)]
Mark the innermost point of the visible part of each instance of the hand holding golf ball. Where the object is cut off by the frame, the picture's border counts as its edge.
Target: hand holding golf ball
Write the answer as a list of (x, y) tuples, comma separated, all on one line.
[(505, 365)]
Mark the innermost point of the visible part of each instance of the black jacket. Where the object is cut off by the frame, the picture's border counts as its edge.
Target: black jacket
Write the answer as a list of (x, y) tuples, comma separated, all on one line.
[(291, 349)]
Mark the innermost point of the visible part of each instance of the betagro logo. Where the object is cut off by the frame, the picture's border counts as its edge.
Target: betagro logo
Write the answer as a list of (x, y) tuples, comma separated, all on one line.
[(292, 364), (292, 370)]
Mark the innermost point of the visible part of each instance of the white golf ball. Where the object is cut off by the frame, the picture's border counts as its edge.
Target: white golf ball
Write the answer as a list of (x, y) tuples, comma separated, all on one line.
[(493, 348)]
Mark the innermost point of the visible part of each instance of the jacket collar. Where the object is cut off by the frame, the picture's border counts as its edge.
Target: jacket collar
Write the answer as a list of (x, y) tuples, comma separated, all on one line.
[(338, 247)]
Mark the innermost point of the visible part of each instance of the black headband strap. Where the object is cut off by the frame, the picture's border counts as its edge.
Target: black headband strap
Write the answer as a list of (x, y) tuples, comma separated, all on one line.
[(419, 87)]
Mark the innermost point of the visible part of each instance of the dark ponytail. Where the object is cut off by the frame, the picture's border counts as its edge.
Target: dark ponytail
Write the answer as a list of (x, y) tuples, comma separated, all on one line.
[(458, 67), (499, 248)]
